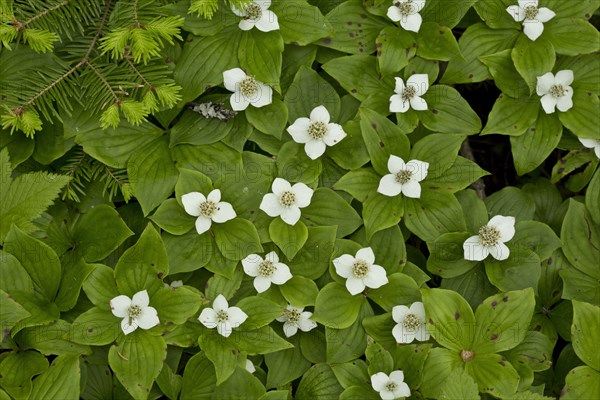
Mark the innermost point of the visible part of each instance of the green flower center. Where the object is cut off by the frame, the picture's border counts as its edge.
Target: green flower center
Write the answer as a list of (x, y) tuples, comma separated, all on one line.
[(222, 316), (489, 236), (411, 322), (292, 316), (317, 130), (248, 86), (403, 176), (253, 11), (287, 199), (134, 311), (207, 209), (531, 12), (406, 8), (408, 93), (391, 386), (266, 268), (360, 269), (557, 90)]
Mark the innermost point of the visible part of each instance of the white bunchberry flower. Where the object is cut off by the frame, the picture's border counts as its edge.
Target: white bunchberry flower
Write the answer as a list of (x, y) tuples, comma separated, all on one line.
[(257, 13), (266, 271), (491, 239), (411, 323), (316, 132), (246, 90), (556, 91), (222, 317), (250, 366), (407, 13), (208, 209), (591, 144), (532, 16), (403, 178), (360, 271), (390, 387), (135, 312), (295, 318), (409, 95), (286, 200)]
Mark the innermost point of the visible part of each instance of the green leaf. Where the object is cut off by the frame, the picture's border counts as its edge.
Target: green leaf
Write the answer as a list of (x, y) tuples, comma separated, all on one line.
[(300, 291), (64, 369), (74, 272), (535, 352), (100, 286), (431, 216), (537, 237), (572, 36), (449, 318), (359, 183), (152, 174), (533, 58), (285, 366), (493, 374), (381, 212), (314, 258), (25, 198), (446, 255), (295, 166), (259, 54), (592, 197), (38, 259), (582, 383), (176, 305), (460, 386), (437, 369), (512, 116), (169, 382), (521, 270), (532, 148), (259, 341), (448, 14), (318, 383), (240, 381), (95, 327), (401, 289), (359, 393), (192, 181), (585, 333), (506, 77), (395, 48), (37, 337), (301, 24), (578, 234), (380, 360), (436, 42), (348, 344), (17, 370), (351, 373), (199, 379), (221, 352), (585, 104), (439, 150), (448, 112), (99, 232), (335, 307), (289, 238), (189, 252), (327, 208), (12, 313), (358, 75), (511, 201), (237, 238), (171, 217), (459, 176), (478, 40), (502, 321), (270, 119), (137, 361), (307, 91), (260, 311), (203, 60)]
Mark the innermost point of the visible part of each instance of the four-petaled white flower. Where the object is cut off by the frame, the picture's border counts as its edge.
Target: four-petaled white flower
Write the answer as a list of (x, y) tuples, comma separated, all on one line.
[(135, 312), (403, 178), (316, 132), (407, 13), (409, 95), (591, 144), (491, 239), (266, 271), (295, 318), (208, 209), (532, 15), (246, 90), (555, 90), (390, 387), (222, 317), (360, 271), (257, 13), (411, 323), (286, 200)]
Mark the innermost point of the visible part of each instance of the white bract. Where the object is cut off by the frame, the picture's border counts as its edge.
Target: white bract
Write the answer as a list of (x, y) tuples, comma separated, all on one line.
[(407, 13), (222, 317), (286, 200), (266, 271), (257, 14), (250, 366), (316, 132), (591, 144), (246, 90), (136, 312), (295, 318), (390, 387), (532, 16), (359, 271), (491, 239), (403, 178), (409, 95), (411, 323), (208, 209), (556, 91)]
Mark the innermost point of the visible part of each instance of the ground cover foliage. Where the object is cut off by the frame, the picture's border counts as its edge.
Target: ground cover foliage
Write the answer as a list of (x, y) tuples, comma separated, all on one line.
[(305, 199)]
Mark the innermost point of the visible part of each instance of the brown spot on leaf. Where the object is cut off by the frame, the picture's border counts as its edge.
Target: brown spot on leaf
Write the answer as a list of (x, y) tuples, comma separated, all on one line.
[(456, 315), (505, 299)]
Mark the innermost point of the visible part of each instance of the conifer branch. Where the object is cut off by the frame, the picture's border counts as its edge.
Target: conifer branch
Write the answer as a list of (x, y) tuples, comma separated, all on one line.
[(44, 13)]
